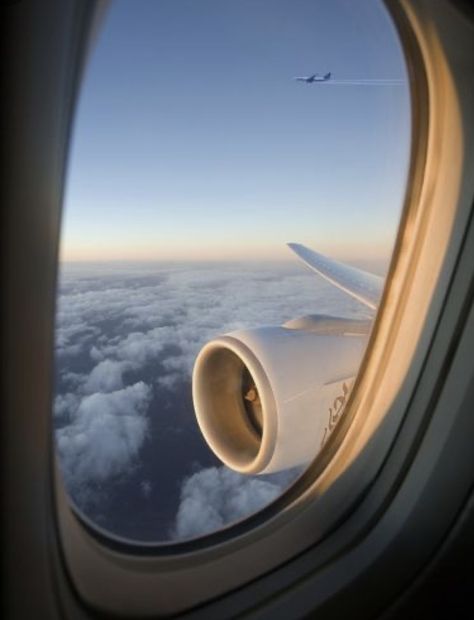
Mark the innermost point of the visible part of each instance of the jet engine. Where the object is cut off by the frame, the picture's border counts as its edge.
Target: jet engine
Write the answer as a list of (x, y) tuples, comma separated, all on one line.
[(267, 398)]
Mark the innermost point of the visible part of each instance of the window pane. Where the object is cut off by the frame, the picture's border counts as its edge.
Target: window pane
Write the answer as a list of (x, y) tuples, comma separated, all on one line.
[(196, 157)]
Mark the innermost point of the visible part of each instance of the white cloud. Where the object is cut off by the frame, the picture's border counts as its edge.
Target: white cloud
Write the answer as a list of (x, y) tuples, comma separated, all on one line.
[(65, 404), (107, 376), (105, 435), (75, 329), (146, 488), (168, 382), (139, 347), (74, 379), (72, 350), (215, 497), (96, 354)]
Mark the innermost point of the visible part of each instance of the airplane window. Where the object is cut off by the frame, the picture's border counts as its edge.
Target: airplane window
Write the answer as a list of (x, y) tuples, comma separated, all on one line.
[(235, 182)]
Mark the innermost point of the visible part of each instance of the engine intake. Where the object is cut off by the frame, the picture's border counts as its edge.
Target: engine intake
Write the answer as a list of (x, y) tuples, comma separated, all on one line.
[(264, 397)]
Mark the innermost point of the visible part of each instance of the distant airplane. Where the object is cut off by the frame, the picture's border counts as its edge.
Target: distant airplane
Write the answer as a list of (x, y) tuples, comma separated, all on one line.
[(314, 78)]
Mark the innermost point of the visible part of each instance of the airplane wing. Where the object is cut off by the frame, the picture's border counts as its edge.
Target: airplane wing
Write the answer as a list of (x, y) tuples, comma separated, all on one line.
[(363, 286)]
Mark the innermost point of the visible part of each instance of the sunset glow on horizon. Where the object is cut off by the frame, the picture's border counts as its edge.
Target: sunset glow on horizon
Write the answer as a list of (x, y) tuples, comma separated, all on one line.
[(219, 253)]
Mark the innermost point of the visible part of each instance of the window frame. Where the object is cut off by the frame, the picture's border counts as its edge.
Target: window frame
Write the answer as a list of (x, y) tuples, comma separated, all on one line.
[(190, 573), (331, 532)]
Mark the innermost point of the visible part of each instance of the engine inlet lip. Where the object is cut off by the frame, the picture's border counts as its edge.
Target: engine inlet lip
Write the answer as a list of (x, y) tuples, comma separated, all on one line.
[(267, 442)]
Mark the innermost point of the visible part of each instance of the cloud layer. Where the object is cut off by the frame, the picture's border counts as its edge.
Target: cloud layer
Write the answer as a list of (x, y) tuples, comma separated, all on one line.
[(127, 337)]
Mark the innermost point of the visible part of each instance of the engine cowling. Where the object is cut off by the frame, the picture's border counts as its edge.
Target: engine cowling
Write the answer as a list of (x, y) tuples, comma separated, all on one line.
[(265, 398)]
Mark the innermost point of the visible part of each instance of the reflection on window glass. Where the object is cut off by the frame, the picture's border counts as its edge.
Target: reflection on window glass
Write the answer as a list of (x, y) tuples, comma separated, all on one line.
[(196, 157)]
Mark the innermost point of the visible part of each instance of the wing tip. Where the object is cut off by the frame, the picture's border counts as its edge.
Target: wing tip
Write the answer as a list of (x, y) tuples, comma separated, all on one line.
[(297, 248)]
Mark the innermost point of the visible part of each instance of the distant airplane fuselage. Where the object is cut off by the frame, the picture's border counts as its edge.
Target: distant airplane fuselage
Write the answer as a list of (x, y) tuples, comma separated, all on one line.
[(314, 78)]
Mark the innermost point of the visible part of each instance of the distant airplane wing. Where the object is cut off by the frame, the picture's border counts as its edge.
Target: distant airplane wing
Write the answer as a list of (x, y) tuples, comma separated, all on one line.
[(363, 286)]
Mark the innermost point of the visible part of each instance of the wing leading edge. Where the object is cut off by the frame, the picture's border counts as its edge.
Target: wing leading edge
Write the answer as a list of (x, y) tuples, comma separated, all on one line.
[(365, 287)]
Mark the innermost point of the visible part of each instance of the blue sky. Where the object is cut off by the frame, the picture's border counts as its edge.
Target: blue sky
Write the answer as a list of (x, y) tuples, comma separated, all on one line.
[(192, 140)]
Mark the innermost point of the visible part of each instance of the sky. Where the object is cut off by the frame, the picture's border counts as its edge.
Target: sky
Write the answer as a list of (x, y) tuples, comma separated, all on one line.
[(193, 141)]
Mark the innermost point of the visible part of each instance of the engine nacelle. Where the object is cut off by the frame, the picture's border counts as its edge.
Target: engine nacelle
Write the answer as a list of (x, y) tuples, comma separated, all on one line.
[(264, 397)]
